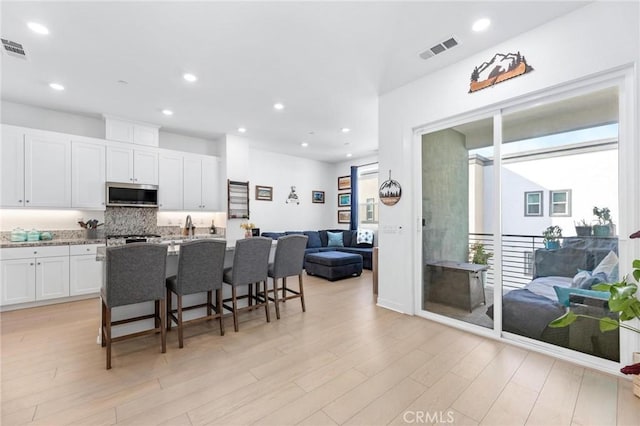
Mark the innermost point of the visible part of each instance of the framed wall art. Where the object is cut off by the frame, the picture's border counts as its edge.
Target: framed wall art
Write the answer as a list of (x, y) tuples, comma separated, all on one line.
[(344, 216), (344, 182), (344, 200), (317, 196), (264, 193)]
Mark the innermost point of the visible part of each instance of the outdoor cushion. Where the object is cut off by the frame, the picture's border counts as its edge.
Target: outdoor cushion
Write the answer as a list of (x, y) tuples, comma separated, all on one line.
[(563, 294)]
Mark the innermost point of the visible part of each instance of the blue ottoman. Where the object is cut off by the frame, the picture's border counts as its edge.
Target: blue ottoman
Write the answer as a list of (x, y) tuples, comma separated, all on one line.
[(333, 265)]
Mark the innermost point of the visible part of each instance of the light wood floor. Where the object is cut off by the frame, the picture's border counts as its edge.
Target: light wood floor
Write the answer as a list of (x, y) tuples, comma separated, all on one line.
[(345, 361)]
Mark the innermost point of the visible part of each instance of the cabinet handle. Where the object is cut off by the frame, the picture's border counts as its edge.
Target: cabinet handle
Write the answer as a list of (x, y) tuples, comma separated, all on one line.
[(31, 264), (19, 201), (27, 201), (39, 263), (88, 249), (35, 252)]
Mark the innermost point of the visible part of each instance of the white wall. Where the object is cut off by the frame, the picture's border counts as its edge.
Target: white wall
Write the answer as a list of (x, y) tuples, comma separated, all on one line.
[(177, 142), (282, 172), (49, 119), (598, 37), (37, 117)]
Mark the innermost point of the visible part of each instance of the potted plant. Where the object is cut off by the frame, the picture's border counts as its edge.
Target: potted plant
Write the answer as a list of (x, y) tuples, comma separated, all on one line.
[(604, 228), (247, 226), (583, 229), (623, 300), (552, 237), (479, 255)]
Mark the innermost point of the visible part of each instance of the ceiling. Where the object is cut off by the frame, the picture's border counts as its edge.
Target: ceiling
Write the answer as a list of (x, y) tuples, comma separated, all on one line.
[(327, 62)]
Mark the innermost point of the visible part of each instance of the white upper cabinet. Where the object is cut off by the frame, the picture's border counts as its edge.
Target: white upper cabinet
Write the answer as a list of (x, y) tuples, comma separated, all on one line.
[(47, 170), (88, 175), (145, 167), (170, 181), (125, 164), (36, 168), (137, 133), (12, 162), (210, 184), (201, 182)]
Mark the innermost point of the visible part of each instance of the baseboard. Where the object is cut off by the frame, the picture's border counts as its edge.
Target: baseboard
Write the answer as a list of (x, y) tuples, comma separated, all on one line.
[(393, 306)]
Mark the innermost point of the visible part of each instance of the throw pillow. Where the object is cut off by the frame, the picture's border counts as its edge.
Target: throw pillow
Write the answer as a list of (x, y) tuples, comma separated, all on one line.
[(314, 239), (365, 236), (564, 293), (607, 265), (580, 277), (334, 239), (594, 279)]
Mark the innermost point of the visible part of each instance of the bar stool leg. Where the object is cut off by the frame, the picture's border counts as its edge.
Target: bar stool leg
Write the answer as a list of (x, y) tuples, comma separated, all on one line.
[(103, 324), (220, 310), (235, 308), (107, 336), (275, 297), (301, 292), (266, 300), (163, 328), (180, 340), (169, 313), (284, 289)]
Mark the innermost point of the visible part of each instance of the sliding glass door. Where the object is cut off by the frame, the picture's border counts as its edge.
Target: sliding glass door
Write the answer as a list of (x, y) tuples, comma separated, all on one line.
[(457, 231), (523, 236), (559, 166)]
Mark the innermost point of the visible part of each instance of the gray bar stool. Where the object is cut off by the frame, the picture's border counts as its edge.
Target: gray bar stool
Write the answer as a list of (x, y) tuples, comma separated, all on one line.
[(134, 273), (200, 269), (250, 265), (288, 262)]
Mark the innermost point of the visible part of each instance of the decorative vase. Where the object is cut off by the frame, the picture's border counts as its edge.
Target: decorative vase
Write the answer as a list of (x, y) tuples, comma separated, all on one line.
[(583, 231), (247, 233), (601, 230), (552, 245), (636, 378)]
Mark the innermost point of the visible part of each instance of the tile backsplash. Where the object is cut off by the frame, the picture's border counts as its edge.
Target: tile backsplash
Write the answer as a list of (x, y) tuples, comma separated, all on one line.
[(130, 220)]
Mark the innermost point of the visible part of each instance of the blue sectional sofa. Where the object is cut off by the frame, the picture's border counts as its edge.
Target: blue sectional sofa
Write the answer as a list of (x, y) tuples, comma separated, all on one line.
[(319, 241)]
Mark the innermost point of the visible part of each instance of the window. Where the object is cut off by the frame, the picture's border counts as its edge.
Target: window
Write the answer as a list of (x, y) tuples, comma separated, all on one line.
[(560, 203), (370, 209), (533, 203), (368, 194)]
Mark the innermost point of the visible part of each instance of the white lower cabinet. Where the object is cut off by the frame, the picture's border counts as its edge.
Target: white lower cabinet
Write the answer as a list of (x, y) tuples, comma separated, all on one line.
[(18, 281), (52, 277), (32, 274), (85, 273)]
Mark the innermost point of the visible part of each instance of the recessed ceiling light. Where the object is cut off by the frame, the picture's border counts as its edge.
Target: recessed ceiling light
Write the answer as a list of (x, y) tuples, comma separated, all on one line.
[(481, 24), (167, 112), (38, 28), (345, 130), (189, 77), (56, 86), (278, 106), (242, 129), (304, 144), (349, 155)]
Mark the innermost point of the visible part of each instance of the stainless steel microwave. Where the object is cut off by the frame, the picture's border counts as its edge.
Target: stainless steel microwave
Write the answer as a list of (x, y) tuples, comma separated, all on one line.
[(131, 195)]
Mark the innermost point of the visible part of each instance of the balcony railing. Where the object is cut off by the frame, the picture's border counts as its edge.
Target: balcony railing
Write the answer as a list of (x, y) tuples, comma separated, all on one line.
[(517, 257)]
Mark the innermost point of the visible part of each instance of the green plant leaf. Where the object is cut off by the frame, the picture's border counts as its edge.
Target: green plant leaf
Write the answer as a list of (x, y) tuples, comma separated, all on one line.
[(608, 324), (602, 287), (636, 274), (564, 320), (636, 264), (624, 292)]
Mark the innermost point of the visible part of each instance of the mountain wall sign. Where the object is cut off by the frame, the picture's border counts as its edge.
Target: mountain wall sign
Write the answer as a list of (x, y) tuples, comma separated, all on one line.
[(500, 68)]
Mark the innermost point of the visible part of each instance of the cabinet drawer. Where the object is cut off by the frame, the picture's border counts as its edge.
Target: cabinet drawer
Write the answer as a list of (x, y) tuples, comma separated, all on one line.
[(80, 249), (29, 252)]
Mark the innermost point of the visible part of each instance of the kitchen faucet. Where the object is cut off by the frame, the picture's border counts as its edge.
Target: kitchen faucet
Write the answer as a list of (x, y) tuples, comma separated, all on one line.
[(189, 226)]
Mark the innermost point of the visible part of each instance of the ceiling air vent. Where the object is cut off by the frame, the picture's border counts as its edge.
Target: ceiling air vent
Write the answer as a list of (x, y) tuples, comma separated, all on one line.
[(14, 49), (439, 48)]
